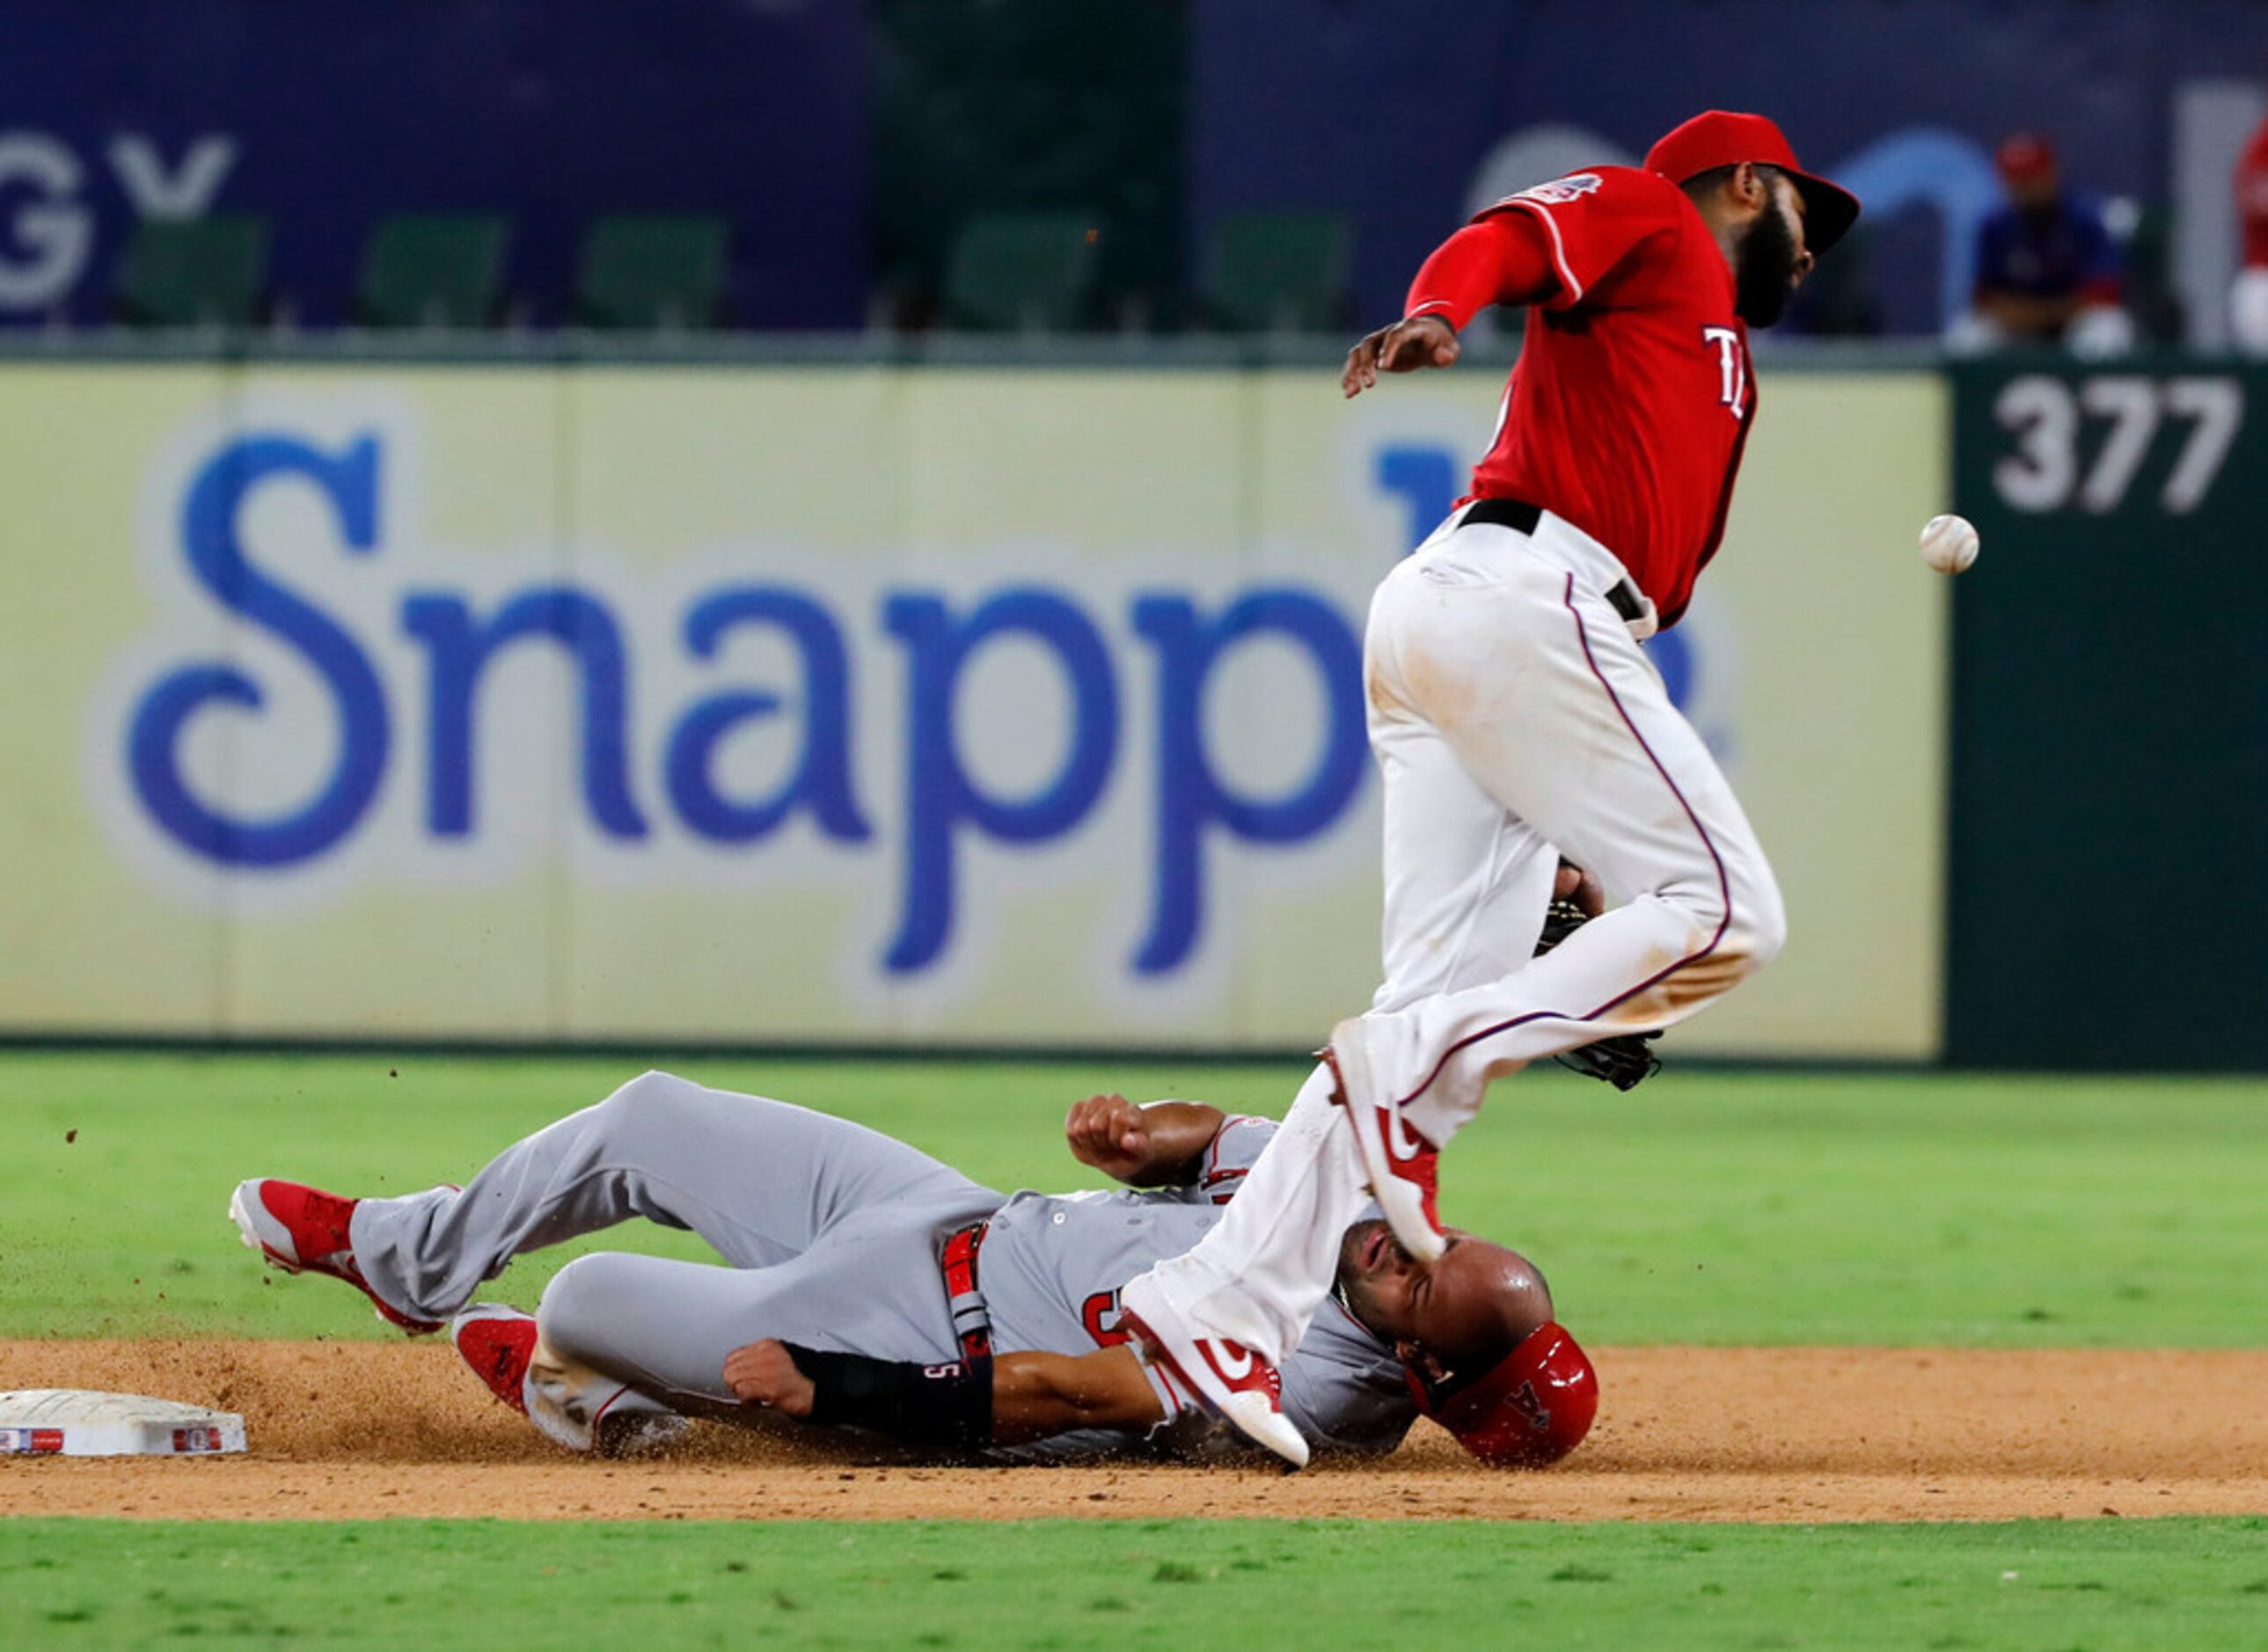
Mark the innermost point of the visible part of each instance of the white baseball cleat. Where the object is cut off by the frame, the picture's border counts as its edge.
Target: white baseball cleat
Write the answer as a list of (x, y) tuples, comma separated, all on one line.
[(1226, 1377), (1402, 1167), (570, 1405)]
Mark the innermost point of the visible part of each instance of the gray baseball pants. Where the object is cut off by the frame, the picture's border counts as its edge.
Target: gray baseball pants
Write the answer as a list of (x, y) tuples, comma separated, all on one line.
[(829, 1229)]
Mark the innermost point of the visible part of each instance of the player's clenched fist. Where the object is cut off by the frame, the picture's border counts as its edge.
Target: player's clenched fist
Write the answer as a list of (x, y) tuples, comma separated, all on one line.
[(1110, 1133), (1426, 340), (763, 1373)]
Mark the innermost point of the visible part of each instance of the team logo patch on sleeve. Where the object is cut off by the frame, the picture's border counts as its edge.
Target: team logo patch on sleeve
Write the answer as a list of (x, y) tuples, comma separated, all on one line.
[(1559, 191)]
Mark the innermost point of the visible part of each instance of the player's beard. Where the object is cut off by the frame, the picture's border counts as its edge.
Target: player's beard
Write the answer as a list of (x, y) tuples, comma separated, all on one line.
[(1766, 277)]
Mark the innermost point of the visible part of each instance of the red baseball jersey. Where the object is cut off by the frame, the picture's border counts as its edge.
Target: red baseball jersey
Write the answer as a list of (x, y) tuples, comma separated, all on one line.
[(1632, 398)]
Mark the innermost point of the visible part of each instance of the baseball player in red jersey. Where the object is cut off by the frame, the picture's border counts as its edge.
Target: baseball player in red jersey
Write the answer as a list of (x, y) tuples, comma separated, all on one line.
[(2248, 299), (1516, 719)]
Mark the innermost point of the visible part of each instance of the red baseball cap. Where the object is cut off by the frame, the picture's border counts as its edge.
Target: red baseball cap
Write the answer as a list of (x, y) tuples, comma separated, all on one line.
[(1719, 137), (2023, 156)]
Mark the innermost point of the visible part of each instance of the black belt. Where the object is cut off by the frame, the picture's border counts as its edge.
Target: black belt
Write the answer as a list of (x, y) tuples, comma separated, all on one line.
[(972, 1321), (1522, 518)]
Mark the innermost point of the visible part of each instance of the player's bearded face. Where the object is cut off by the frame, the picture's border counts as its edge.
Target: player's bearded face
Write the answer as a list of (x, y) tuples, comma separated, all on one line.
[(1769, 256)]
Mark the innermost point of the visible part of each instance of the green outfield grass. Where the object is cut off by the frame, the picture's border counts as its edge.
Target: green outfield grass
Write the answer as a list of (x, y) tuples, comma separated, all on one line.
[(1182, 1583), (1707, 1207)]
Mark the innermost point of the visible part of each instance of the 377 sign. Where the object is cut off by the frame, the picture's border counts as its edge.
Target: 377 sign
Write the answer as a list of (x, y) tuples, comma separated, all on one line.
[(2088, 444)]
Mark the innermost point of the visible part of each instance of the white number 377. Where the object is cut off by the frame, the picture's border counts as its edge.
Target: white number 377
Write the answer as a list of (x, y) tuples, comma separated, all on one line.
[(2044, 413)]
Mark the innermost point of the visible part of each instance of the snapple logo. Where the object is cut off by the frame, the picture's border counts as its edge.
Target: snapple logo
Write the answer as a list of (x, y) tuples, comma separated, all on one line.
[(401, 676)]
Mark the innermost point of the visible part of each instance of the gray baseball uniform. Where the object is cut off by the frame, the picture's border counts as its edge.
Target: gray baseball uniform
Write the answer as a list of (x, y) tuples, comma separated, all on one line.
[(832, 1233)]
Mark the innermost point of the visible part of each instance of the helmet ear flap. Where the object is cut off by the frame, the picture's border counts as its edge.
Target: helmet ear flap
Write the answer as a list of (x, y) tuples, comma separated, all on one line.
[(1421, 1389), (1531, 1408)]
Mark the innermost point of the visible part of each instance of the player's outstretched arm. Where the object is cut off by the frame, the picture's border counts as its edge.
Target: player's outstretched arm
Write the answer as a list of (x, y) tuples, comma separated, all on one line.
[(1007, 1400), (1500, 260), (1036, 1395), (1160, 1145), (945, 1407)]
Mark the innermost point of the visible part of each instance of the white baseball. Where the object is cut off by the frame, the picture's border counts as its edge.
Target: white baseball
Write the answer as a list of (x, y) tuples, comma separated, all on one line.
[(1948, 543)]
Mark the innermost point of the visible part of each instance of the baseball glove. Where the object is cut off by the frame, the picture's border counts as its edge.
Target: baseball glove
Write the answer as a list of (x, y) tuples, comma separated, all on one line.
[(1624, 1061)]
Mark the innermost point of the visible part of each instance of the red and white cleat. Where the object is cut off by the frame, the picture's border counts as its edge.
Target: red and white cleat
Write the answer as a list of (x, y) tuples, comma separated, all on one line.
[(1226, 1377), (303, 1230), (499, 1344), (570, 1405), (1404, 1168)]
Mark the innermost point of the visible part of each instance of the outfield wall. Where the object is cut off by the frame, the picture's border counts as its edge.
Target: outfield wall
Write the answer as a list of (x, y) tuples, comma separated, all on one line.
[(2109, 892), (847, 704)]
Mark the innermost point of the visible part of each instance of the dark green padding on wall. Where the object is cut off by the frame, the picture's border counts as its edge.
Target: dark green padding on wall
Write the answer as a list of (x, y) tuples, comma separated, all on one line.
[(2108, 869)]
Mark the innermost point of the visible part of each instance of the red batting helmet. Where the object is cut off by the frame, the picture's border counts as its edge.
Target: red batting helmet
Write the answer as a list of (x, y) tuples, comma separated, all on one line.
[(1719, 137), (1530, 1408)]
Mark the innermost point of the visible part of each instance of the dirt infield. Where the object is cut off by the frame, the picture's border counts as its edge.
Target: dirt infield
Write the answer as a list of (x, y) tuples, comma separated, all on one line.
[(351, 1430)]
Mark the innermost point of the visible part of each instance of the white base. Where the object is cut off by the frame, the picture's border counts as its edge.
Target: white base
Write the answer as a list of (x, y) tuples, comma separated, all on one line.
[(86, 1422)]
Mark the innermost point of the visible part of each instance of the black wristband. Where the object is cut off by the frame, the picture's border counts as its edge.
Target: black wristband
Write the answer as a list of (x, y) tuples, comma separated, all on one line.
[(938, 1407)]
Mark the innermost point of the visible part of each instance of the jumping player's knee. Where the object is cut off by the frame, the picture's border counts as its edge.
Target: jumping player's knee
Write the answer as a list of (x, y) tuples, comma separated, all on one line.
[(1756, 926), (1768, 929), (1737, 924)]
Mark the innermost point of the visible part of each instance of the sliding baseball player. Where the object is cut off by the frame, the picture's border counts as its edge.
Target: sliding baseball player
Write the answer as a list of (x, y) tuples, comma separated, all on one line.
[(864, 1282)]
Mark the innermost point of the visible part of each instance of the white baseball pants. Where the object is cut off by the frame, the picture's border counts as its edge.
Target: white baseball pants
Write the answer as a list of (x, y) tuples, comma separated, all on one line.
[(1515, 719)]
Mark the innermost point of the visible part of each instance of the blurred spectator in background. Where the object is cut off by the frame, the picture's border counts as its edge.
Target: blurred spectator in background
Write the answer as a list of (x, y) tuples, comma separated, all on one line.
[(2048, 269), (2249, 301)]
